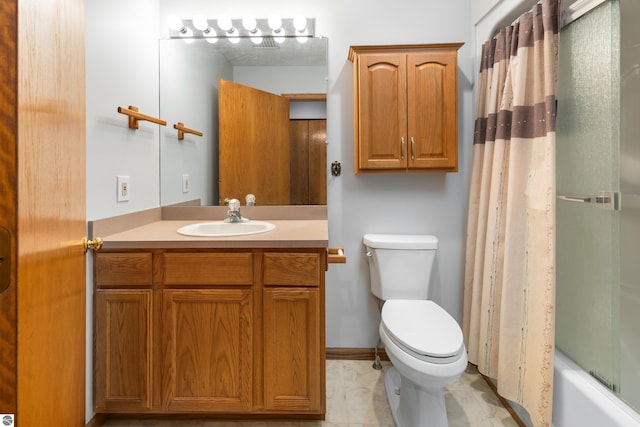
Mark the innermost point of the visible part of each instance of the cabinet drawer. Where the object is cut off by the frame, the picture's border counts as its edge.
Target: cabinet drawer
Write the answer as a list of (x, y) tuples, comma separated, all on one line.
[(113, 269), (292, 269), (208, 268)]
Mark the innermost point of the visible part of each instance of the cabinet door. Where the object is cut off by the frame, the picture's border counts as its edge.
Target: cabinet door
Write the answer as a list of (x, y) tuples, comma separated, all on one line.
[(207, 350), (381, 111), (122, 350), (432, 110), (293, 366)]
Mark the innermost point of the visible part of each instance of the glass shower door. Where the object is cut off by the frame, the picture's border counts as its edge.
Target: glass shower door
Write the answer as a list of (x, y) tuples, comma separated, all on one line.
[(587, 171), (630, 214)]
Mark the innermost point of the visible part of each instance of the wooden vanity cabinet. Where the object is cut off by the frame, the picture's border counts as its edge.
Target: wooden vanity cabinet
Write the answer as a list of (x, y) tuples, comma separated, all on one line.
[(123, 325), (293, 332), (405, 108), (207, 331), (210, 331)]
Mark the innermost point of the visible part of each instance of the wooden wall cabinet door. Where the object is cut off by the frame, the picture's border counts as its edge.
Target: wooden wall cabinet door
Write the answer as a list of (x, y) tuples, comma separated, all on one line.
[(208, 347), (405, 108), (123, 336)]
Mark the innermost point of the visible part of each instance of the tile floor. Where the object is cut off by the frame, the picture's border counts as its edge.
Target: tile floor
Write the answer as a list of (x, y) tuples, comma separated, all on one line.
[(356, 398)]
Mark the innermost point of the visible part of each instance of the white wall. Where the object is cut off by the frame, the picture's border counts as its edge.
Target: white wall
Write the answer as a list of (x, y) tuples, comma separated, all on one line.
[(122, 70)]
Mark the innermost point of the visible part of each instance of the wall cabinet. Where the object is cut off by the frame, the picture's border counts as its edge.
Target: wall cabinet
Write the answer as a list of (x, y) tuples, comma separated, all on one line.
[(405, 108), (210, 331)]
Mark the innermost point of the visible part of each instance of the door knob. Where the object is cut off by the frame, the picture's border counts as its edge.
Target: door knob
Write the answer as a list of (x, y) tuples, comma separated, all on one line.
[(94, 244)]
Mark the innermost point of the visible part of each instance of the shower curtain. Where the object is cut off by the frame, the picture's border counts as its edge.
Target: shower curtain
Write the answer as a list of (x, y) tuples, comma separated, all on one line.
[(509, 289)]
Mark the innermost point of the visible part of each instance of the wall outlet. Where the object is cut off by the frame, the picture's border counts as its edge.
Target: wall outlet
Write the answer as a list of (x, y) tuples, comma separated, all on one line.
[(185, 183), (123, 188)]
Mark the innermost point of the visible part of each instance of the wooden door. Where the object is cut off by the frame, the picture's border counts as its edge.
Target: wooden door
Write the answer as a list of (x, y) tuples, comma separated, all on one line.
[(42, 177), (292, 356), (309, 162), (432, 109), (253, 144), (208, 349), (381, 116), (8, 202)]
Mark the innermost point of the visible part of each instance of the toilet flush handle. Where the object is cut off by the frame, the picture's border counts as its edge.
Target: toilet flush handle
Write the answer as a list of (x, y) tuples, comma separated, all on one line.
[(368, 253)]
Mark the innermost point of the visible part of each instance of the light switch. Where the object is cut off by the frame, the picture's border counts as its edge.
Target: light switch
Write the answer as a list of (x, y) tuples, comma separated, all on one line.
[(123, 188)]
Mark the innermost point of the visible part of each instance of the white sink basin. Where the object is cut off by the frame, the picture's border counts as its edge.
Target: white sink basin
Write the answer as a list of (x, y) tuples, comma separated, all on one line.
[(225, 229)]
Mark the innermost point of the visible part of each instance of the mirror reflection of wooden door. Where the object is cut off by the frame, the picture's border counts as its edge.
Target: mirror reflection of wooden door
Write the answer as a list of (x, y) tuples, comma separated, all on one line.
[(308, 162), (253, 144)]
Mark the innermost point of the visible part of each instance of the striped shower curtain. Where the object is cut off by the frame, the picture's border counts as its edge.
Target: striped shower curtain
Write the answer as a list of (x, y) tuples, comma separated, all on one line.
[(509, 292)]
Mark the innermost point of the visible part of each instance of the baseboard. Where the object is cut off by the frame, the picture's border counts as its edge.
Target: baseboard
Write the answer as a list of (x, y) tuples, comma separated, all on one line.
[(504, 401), (97, 420), (342, 353)]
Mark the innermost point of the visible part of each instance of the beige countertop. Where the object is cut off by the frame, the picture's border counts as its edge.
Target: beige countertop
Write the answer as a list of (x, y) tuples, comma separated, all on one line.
[(290, 233)]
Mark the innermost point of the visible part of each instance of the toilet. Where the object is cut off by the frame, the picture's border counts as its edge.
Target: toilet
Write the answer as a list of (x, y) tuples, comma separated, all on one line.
[(422, 340)]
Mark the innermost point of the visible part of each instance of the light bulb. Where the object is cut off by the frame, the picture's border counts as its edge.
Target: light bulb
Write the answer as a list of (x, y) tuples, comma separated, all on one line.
[(200, 22), (225, 24), (210, 33), (300, 23), (175, 23), (275, 23), (256, 36), (249, 23)]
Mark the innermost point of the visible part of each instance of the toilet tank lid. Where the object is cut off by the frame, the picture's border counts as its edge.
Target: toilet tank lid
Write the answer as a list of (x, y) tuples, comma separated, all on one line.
[(401, 241)]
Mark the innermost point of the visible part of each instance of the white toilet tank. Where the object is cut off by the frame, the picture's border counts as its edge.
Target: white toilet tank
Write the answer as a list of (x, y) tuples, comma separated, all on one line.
[(400, 264)]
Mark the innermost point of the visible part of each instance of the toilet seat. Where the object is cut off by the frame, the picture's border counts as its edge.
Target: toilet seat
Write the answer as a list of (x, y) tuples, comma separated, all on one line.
[(423, 329)]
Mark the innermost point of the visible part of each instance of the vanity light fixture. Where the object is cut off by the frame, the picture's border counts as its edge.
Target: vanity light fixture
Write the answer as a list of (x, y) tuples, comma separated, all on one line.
[(225, 24), (275, 24), (259, 31), (201, 23), (249, 23), (300, 23), (176, 24)]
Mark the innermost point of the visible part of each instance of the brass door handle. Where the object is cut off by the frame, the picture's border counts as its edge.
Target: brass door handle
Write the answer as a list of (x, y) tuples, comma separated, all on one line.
[(94, 244), (402, 148)]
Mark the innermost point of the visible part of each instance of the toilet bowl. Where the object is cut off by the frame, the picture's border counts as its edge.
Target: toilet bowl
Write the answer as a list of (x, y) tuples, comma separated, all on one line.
[(423, 342), (424, 362)]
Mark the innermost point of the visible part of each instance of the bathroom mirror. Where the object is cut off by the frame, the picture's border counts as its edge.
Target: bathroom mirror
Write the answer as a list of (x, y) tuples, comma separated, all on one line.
[(190, 72)]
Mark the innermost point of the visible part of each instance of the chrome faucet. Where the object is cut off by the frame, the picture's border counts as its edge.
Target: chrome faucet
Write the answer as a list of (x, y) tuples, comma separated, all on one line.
[(233, 213)]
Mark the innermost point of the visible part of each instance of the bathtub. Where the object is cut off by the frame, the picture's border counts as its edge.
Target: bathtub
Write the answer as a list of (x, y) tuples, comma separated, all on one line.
[(580, 400)]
